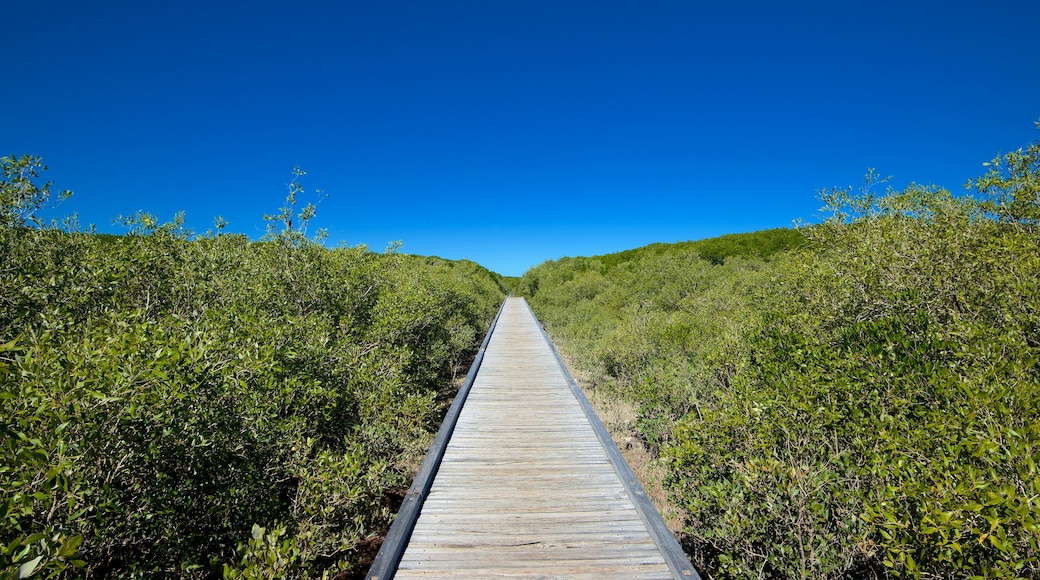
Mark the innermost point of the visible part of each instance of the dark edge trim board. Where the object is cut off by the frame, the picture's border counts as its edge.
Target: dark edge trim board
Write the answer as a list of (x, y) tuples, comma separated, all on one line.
[(389, 557), (673, 553)]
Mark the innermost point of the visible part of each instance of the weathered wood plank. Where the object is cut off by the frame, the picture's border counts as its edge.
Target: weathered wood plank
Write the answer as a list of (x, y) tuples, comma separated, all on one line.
[(525, 487)]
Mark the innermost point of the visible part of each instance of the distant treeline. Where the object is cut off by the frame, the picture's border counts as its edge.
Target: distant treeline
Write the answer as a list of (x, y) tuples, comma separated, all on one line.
[(854, 399), (762, 244)]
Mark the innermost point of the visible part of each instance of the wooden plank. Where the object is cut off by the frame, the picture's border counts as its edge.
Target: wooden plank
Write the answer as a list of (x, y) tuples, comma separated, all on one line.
[(524, 487)]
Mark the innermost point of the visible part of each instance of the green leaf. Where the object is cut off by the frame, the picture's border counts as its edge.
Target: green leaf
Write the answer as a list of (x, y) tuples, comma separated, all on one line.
[(68, 549), (29, 568)]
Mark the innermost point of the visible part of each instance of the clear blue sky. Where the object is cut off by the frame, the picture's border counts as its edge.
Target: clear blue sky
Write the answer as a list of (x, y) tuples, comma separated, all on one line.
[(511, 132)]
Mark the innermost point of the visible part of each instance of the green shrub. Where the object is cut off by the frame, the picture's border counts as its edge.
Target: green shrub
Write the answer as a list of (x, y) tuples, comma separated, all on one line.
[(864, 405), (164, 397)]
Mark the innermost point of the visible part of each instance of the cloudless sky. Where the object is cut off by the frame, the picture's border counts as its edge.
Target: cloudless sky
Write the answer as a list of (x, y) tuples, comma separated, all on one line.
[(510, 132)]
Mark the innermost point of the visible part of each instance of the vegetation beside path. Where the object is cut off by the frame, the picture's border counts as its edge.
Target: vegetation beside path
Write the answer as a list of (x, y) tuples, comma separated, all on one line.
[(180, 405), (854, 399)]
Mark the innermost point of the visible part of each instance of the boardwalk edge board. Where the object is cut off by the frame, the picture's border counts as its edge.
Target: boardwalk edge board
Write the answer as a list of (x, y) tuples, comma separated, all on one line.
[(673, 553), (386, 561)]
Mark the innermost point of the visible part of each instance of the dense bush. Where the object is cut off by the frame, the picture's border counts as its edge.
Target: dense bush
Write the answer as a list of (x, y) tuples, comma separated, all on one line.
[(657, 319), (183, 406), (888, 420), (864, 405)]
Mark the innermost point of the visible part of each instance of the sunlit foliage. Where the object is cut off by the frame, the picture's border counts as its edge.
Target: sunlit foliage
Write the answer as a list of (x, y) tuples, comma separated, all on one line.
[(182, 406), (865, 404)]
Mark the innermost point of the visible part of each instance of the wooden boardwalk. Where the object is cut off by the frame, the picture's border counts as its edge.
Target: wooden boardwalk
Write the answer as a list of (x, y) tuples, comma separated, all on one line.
[(528, 484)]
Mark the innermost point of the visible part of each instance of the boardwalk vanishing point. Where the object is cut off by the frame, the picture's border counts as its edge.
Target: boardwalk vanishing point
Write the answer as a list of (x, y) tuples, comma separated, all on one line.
[(524, 481)]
